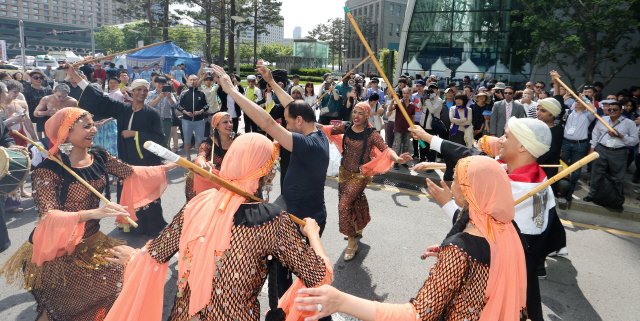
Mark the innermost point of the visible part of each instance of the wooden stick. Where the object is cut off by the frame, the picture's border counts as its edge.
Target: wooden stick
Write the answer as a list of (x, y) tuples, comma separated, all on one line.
[(585, 105), (118, 54), (341, 80), (558, 165), (589, 158), (384, 76), (93, 190), (172, 157)]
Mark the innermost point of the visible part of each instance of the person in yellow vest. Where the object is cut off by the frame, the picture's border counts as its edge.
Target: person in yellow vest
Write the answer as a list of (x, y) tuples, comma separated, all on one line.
[(254, 94)]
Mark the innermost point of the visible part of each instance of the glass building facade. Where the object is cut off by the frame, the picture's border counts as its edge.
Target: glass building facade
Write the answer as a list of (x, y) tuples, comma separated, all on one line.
[(468, 37)]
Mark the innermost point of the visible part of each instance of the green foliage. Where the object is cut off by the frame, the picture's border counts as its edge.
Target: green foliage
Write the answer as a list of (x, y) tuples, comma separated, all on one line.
[(384, 61), (317, 72), (187, 37), (272, 51), (264, 13), (332, 32), (595, 37), (304, 79), (110, 40)]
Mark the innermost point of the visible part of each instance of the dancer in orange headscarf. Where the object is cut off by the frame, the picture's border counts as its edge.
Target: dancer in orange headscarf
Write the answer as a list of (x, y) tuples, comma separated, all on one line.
[(225, 247), (220, 141), (63, 263), (360, 161), (480, 273)]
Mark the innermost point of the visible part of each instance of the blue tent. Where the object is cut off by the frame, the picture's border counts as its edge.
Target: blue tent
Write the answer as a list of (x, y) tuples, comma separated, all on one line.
[(166, 55)]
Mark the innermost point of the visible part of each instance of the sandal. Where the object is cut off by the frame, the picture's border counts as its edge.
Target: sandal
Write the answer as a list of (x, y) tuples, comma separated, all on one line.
[(358, 235), (349, 257)]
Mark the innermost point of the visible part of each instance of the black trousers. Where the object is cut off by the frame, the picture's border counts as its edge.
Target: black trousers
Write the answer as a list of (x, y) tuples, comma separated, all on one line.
[(4, 233), (249, 125), (235, 124)]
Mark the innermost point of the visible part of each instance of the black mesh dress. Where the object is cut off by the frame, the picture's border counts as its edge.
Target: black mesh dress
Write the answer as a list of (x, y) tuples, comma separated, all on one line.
[(81, 285), (260, 232)]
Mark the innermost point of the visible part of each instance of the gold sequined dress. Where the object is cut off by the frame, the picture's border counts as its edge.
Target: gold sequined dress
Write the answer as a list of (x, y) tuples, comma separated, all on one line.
[(81, 285), (205, 152)]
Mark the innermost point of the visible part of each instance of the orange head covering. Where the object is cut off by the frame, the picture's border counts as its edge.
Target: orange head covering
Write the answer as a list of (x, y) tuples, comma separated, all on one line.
[(365, 107), (486, 187), (208, 217), (489, 145), (59, 125), (217, 117)]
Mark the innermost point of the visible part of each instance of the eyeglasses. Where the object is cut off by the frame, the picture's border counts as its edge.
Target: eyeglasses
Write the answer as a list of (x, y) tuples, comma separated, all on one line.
[(508, 93), (36, 78), (539, 87), (589, 87), (613, 109)]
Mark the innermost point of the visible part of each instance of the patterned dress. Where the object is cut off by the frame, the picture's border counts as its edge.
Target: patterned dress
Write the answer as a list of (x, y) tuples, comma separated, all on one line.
[(80, 285), (205, 152), (353, 207), (260, 232)]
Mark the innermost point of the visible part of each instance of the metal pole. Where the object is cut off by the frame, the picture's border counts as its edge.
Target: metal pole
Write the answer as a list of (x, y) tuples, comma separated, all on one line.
[(93, 38), (22, 46), (238, 49)]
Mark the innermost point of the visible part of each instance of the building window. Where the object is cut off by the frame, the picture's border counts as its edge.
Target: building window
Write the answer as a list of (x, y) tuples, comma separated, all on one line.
[(89, 8), (55, 14), (64, 9), (3, 6), (106, 17), (36, 11), (14, 1), (46, 13), (73, 16), (36, 17), (114, 22), (46, 18), (64, 4), (73, 5), (15, 14), (365, 11), (98, 15), (399, 10), (25, 4), (397, 30), (74, 22), (64, 15), (55, 2), (4, 13), (55, 8), (46, 6), (391, 29), (25, 9), (99, 20), (82, 23), (99, 25), (35, 5), (56, 20), (3, 1), (391, 9), (73, 10), (14, 8), (98, 9)]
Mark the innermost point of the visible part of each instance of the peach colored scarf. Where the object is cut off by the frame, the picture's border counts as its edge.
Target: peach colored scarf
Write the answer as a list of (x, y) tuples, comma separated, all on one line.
[(487, 189), (59, 125), (208, 218), (489, 145)]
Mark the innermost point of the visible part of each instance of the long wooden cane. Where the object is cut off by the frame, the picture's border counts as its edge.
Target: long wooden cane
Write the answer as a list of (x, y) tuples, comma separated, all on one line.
[(57, 160), (589, 158), (379, 68), (80, 63), (172, 157), (585, 105), (341, 80)]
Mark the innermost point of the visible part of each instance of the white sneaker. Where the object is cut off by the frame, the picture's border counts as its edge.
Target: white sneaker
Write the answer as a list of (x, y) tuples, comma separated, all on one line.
[(561, 252)]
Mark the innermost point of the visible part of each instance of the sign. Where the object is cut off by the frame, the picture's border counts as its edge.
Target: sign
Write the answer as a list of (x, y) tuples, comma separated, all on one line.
[(3, 50), (135, 62), (447, 73), (336, 122)]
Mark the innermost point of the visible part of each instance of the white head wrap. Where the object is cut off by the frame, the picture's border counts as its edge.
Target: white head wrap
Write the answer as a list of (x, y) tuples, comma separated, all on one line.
[(139, 82), (298, 88), (552, 105), (533, 134)]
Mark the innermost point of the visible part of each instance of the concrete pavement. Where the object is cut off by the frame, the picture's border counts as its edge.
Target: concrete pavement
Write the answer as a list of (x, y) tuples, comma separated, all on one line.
[(595, 282)]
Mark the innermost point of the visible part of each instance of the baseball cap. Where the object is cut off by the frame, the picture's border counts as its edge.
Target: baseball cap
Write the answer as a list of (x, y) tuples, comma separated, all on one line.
[(421, 83), (251, 77)]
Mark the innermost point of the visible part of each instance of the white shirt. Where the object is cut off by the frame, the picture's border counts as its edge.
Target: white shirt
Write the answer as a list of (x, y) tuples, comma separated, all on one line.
[(231, 108)]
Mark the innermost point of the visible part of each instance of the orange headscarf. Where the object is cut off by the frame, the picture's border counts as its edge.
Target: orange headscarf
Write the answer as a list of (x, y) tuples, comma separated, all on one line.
[(486, 187), (365, 107), (59, 125), (208, 218), (217, 117), (489, 145)]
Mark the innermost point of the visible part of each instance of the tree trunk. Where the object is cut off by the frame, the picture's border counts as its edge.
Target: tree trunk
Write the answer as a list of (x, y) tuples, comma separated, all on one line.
[(255, 33), (165, 22), (150, 17), (207, 42), (223, 33), (232, 37), (592, 51)]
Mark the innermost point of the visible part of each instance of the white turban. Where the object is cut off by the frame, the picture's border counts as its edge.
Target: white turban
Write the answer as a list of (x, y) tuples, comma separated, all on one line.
[(552, 105), (298, 88), (139, 82), (533, 134)]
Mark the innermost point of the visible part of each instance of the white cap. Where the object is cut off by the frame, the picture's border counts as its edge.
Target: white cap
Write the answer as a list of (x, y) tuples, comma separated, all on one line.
[(251, 77)]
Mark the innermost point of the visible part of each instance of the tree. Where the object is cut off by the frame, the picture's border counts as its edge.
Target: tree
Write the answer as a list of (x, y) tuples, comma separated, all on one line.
[(595, 37), (188, 38), (264, 12), (140, 10), (110, 39), (385, 61), (272, 51)]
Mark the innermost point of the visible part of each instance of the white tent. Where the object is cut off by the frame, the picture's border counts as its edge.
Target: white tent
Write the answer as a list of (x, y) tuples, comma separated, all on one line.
[(68, 56), (468, 68), (121, 60), (414, 65), (438, 68), (498, 68)]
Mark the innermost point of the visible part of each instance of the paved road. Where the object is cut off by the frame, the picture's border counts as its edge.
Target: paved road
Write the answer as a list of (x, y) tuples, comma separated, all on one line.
[(595, 282)]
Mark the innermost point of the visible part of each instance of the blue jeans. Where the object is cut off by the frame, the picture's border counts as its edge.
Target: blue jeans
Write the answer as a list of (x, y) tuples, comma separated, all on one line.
[(571, 153), (193, 127)]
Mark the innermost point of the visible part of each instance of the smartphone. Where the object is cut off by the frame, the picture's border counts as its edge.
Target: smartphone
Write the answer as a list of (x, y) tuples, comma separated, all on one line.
[(166, 88), (122, 85)]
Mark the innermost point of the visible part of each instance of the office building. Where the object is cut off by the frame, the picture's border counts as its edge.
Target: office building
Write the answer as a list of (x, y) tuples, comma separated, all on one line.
[(275, 34), (43, 16), (297, 33), (387, 17)]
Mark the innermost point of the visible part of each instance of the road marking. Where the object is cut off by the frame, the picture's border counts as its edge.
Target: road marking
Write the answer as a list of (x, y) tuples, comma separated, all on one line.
[(589, 226), (605, 229)]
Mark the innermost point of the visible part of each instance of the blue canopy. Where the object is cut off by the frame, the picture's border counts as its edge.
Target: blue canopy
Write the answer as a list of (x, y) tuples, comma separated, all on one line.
[(166, 55)]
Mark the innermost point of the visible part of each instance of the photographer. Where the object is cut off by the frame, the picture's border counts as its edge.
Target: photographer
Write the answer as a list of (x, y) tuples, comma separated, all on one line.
[(328, 110), (431, 106), (372, 87), (163, 99)]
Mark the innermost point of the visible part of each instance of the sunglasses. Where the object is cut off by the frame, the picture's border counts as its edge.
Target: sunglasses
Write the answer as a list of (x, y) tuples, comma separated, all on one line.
[(589, 87), (36, 78), (508, 93), (613, 109), (539, 87)]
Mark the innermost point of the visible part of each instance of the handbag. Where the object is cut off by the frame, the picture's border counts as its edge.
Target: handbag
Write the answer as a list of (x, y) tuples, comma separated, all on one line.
[(437, 126), (324, 110)]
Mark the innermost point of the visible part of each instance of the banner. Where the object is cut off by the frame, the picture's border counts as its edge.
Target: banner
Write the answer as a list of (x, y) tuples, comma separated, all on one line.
[(135, 62), (3, 50)]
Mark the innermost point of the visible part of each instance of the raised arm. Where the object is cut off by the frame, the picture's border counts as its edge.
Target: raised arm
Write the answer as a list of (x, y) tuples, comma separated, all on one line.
[(92, 99), (252, 110)]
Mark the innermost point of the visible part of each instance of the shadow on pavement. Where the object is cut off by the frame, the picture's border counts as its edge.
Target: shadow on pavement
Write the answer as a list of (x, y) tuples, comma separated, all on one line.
[(24, 297), (560, 288), (354, 278)]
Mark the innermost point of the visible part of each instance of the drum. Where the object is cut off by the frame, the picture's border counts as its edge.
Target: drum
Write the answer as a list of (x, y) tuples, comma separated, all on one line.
[(14, 169)]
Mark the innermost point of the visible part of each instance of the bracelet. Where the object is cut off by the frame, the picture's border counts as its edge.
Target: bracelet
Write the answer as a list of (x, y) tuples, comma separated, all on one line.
[(315, 238)]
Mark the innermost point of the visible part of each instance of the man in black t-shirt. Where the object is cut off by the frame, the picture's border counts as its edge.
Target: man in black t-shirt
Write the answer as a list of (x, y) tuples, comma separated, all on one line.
[(303, 188)]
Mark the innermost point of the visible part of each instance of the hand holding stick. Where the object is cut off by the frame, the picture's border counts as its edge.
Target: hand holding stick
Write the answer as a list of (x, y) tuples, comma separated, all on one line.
[(82, 181), (170, 156)]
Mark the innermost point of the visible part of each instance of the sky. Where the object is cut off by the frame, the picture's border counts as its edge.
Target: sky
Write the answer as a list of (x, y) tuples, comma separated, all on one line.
[(309, 14), (305, 14)]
